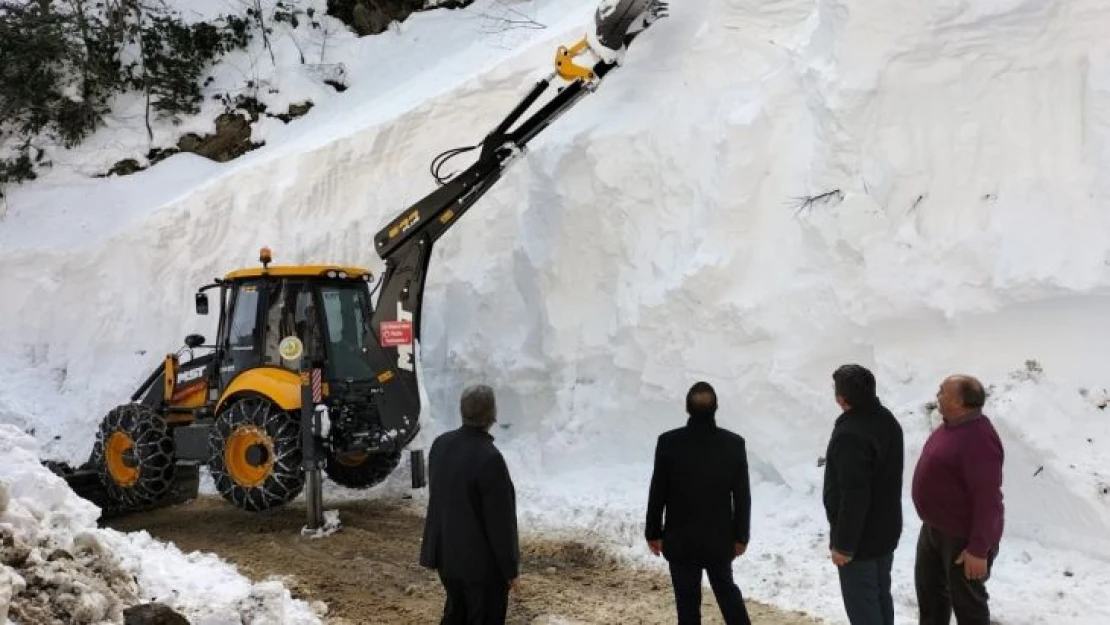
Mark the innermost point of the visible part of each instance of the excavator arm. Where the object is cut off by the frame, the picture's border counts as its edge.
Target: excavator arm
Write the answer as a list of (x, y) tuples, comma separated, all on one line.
[(405, 244)]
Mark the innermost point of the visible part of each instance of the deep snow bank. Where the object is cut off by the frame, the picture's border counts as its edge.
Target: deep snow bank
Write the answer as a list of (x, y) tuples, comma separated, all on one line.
[(57, 566), (1053, 563), (656, 235)]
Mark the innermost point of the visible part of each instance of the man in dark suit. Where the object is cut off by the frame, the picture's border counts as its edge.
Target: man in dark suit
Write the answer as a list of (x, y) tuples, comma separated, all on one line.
[(700, 482), (863, 496), (470, 532)]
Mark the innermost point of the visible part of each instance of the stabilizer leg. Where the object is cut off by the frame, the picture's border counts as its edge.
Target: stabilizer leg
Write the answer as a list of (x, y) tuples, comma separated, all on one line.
[(310, 437)]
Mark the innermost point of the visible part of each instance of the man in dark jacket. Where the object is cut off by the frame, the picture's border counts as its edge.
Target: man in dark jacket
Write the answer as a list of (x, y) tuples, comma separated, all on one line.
[(863, 496), (957, 491), (470, 533), (700, 482)]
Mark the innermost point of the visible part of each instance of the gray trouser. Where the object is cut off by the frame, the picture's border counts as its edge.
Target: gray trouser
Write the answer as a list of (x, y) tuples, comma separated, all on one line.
[(865, 588)]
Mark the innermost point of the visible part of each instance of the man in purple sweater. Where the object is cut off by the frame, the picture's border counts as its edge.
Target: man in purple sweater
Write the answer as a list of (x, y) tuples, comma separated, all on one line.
[(957, 491)]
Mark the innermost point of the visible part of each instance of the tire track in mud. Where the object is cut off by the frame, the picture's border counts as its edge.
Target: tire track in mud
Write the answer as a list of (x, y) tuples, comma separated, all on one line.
[(368, 571)]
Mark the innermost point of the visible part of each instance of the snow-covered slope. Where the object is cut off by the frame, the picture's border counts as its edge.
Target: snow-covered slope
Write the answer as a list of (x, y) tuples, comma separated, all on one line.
[(656, 235)]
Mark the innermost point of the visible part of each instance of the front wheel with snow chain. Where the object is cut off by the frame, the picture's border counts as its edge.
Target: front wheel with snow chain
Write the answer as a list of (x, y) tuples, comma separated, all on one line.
[(133, 455), (362, 470), (254, 454)]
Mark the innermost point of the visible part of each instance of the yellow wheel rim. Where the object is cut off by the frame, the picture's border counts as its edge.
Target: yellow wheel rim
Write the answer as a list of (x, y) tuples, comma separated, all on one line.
[(352, 459), (236, 453), (115, 451)]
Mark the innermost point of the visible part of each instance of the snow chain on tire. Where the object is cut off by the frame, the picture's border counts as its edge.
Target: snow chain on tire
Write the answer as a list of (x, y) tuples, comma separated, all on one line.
[(276, 436), (133, 455)]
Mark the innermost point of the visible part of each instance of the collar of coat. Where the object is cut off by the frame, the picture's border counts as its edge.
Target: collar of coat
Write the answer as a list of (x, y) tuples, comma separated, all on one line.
[(963, 419), (702, 421), (477, 431), (865, 409)]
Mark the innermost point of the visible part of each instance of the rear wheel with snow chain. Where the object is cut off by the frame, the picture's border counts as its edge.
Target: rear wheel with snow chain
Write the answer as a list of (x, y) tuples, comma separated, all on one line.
[(133, 455), (254, 454), (361, 470)]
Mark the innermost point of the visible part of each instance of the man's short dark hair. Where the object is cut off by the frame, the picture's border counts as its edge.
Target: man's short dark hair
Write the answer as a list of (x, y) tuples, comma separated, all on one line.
[(855, 383), (701, 398), (972, 394), (478, 406)]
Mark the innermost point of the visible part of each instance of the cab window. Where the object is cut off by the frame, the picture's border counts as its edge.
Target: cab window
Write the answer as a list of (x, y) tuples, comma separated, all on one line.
[(291, 311), (242, 333)]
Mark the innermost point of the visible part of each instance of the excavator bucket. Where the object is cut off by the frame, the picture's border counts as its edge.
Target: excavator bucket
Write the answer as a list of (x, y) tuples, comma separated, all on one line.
[(617, 22), (86, 482)]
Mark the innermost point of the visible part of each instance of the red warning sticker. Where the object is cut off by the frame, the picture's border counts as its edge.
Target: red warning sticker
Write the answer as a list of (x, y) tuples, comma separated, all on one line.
[(394, 333)]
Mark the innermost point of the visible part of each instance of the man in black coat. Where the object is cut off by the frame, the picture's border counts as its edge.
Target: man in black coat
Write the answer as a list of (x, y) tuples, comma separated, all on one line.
[(700, 482), (863, 496), (470, 531)]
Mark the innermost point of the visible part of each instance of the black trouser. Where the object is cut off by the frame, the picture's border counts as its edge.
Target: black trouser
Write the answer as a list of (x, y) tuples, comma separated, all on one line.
[(686, 579), (942, 586), (475, 603), (865, 588)]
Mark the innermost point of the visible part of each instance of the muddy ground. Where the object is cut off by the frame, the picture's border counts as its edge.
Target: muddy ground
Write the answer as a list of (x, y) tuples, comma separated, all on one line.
[(367, 572)]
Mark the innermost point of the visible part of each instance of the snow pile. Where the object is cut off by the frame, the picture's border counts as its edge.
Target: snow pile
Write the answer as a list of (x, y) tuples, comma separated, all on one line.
[(57, 566), (952, 156), (1053, 561), (205, 588), (54, 566)]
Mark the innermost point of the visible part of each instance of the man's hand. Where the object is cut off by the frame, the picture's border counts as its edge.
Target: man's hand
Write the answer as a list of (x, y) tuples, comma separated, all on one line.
[(656, 546), (974, 568), (838, 558), (740, 549)]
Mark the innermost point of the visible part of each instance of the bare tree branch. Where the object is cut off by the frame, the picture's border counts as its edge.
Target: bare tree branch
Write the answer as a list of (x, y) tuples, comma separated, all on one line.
[(808, 201), (506, 18)]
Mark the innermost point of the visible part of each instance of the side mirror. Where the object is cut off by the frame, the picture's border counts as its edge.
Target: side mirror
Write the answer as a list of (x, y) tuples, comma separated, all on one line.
[(202, 303), (194, 341)]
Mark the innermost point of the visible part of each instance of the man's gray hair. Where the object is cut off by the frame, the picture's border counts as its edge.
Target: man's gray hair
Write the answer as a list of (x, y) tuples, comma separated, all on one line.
[(478, 406)]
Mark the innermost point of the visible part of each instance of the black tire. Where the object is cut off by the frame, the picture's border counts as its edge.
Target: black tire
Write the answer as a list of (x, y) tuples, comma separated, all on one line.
[(256, 488), (133, 456), (370, 472)]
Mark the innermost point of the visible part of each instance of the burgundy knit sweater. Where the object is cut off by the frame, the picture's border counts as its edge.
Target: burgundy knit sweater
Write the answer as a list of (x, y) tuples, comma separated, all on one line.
[(957, 485)]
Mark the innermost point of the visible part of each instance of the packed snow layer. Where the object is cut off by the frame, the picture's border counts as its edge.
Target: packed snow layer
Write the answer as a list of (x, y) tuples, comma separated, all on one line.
[(659, 234), (57, 566)]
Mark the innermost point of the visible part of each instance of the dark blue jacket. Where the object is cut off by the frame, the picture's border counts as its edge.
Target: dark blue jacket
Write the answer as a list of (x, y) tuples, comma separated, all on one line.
[(699, 502), (863, 482)]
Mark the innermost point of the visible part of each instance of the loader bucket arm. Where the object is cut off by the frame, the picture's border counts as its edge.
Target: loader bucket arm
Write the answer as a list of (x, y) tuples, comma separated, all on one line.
[(405, 244)]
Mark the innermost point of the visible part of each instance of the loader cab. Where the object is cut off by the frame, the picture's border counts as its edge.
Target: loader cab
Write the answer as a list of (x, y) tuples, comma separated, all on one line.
[(327, 307)]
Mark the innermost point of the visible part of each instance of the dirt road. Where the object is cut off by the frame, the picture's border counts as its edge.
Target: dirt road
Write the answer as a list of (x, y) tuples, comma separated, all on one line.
[(367, 572)]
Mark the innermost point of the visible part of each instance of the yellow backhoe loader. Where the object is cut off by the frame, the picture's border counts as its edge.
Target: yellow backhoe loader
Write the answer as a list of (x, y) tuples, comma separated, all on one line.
[(307, 371)]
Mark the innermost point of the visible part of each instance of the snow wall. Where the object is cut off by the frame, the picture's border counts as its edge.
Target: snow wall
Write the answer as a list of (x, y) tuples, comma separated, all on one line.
[(955, 154)]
